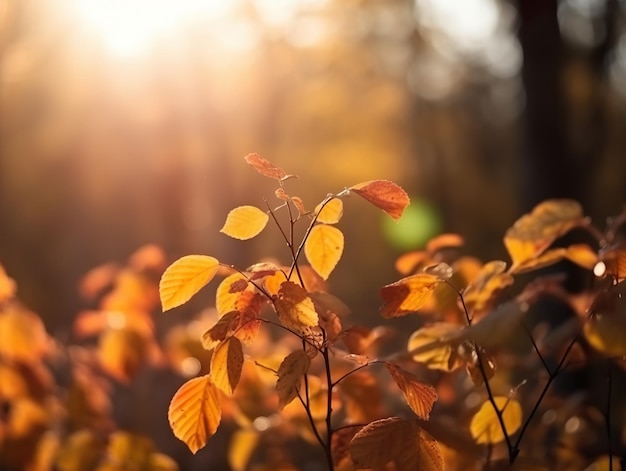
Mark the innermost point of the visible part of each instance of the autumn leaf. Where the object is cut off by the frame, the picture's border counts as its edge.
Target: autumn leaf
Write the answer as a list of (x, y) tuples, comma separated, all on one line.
[(480, 294), (294, 307), (184, 278), (331, 212), (418, 395), (228, 292), (443, 355), (534, 232), (385, 195), (407, 295), (580, 254), (245, 222), (226, 365), (265, 167), (133, 450), (240, 448), (290, 374), (485, 426), (195, 413), (614, 259), (223, 328), (362, 397), (607, 333), (394, 439), (444, 241), (23, 336), (7, 286), (122, 352), (323, 249)]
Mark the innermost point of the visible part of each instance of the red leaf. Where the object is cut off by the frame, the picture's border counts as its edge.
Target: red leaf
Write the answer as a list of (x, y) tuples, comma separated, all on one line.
[(385, 195)]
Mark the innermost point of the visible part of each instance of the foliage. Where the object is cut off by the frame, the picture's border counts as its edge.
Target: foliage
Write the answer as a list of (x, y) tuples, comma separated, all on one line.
[(483, 382)]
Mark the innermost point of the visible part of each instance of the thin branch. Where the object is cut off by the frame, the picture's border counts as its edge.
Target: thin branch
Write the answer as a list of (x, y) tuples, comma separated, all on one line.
[(373, 362), (530, 336), (316, 432)]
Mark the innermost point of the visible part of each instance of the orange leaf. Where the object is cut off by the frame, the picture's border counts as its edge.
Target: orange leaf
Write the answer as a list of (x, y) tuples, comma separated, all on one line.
[(442, 355), (418, 395), (7, 286), (290, 373), (245, 222), (195, 413), (614, 259), (407, 295), (265, 167), (385, 195), (224, 328), (323, 249), (580, 254), (394, 439), (226, 365), (294, 307), (23, 337), (331, 212), (485, 426), (534, 232), (480, 294), (122, 352), (443, 241), (184, 278)]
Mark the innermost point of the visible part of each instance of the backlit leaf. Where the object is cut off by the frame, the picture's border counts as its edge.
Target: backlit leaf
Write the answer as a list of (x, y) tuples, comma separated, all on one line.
[(396, 440), (443, 356), (607, 333), (265, 167), (122, 352), (485, 426), (228, 292), (580, 254), (418, 395), (407, 295), (290, 374), (240, 448), (223, 328), (23, 337), (443, 241), (331, 212), (226, 365), (385, 195), (195, 413), (409, 262), (294, 307), (245, 222), (534, 232), (481, 293), (323, 249), (184, 278)]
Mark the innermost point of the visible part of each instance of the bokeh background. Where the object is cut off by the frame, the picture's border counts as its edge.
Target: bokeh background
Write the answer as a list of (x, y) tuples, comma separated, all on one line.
[(125, 122)]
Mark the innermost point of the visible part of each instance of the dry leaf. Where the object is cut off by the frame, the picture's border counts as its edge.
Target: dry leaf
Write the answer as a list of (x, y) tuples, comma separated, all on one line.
[(245, 222), (265, 167), (385, 195), (323, 249), (407, 295), (223, 328), (226, 365), (290, 374), (184, 278), (485, 425), (294, 307), (195, 413), (226, 296), (481, 293), (418, 395)]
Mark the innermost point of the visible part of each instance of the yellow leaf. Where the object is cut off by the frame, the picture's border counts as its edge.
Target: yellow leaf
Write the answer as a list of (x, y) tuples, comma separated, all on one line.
[(23, 337), (133, 450), (161, 462), (441, 357), (407, 295), (290, 374), (481, 293), (331, 212), (245, 222), (265, 167), (485, 426), (240, 448), (385, 195), (607, 333), (582, 255), (294, 307), (323, 249), (195, 413), (418, 395), (121, 353), (228, 292), (184, 278), (80, 451), (226, 365), (394, 439), (534, 232)]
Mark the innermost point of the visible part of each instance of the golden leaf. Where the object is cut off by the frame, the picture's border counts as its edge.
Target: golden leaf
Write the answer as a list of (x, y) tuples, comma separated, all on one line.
[(245, 222), (331, 212), (226, 365), (409, 262), (323, 249), (580, 254), (240, 448), (418, 395), (122, 352), (195, 413), (23, 337), (534, 232), (133, 450), (396, 440), (228, 293), (81, 450), (264, 166), (485, 426), (385, 195), (294, 307), (444, 241), (184, 278), (407, 295), (481, 293), (441, 357), (290, 374), (223, 328), (607, 333)]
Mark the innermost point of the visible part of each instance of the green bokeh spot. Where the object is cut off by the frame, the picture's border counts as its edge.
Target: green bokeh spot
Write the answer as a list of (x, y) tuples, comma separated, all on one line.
[(419, 223)]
